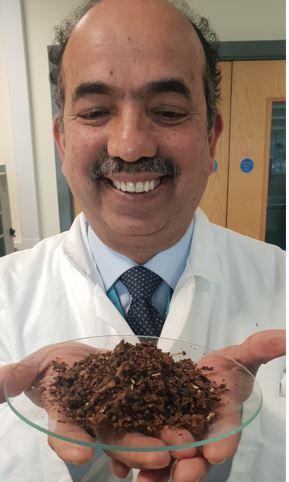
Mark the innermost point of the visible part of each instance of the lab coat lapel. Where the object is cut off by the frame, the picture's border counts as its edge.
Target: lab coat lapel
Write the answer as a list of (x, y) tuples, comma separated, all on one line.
[(180, 307), (106, 310), (188, 317)]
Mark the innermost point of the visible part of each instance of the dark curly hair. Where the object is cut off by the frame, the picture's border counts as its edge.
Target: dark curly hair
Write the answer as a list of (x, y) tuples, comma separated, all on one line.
[(207, 36)]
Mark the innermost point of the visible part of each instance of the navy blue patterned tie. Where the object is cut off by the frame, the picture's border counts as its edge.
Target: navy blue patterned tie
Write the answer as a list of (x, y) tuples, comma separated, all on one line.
[(143, 317)]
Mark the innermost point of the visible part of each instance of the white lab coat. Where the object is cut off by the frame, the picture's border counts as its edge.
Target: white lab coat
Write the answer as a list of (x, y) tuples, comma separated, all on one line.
[(232, 286)]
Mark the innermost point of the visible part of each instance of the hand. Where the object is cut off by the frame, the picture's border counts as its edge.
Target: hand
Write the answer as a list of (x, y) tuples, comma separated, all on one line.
[(193, 464), (154, 466), (36, 368)]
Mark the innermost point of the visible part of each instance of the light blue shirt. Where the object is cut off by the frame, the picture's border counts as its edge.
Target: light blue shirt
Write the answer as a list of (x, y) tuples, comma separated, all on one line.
[(168, 264)]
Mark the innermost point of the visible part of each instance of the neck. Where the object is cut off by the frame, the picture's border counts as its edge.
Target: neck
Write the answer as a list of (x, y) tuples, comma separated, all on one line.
[(138, 248)]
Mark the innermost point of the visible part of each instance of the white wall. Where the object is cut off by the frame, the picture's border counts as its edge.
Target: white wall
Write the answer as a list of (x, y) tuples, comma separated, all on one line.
[(40, 16), (232, 19), (244, 19), (6, 145), (21, 126)]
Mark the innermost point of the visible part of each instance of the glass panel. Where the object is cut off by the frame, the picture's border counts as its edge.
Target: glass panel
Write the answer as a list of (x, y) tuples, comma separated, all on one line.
[(2, 246), (276, 208)]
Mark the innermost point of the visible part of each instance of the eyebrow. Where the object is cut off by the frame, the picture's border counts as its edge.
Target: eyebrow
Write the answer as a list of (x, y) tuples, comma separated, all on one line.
[(167, 85), (89, 88), (152, 88)]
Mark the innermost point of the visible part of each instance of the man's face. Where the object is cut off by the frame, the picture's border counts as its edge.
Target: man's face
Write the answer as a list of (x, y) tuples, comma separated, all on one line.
[(134, 93)]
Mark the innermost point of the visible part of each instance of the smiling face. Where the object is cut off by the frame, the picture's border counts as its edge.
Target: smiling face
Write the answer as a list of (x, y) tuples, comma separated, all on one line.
[(135, 147)]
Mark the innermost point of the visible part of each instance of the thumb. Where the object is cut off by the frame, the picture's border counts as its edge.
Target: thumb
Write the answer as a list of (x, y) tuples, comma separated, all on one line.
[(258, 348), (17, 377)]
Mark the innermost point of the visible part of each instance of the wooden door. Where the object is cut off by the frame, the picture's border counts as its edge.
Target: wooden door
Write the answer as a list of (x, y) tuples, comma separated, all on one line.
[(255, 86)]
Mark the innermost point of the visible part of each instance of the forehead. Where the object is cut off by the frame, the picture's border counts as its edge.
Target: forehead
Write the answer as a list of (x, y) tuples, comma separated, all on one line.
[(158, 42)]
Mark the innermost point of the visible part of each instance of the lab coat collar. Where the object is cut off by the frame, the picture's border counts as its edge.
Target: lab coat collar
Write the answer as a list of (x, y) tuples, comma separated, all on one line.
[(76, 249), (203, 259)]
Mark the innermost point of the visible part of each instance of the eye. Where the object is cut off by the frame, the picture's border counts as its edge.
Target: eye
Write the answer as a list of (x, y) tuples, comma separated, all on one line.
[(168, 116), (94, 114)]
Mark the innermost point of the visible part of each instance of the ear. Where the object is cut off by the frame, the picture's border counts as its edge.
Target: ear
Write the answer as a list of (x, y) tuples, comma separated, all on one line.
[(214, 136), (59, 138)]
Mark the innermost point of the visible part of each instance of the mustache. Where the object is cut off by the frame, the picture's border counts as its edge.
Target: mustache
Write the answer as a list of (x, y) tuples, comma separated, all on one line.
[(106, 166)]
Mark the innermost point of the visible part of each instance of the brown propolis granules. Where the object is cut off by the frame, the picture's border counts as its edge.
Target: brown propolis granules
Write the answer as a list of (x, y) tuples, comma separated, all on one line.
[(136, 388)]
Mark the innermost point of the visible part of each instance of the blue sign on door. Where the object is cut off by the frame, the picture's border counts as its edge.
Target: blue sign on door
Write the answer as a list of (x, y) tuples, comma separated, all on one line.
[(247, 165)]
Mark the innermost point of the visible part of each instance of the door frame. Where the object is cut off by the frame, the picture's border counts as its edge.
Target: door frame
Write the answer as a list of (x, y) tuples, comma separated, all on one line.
[(253, 50)]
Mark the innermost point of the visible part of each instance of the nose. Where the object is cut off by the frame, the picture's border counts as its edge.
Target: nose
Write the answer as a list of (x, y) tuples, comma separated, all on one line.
[(131, 137)]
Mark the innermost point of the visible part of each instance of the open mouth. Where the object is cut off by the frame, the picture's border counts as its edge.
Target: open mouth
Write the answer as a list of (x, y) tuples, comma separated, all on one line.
[(136, 187)]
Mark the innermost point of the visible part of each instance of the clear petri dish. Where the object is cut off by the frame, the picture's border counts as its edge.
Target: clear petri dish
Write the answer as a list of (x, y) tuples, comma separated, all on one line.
[(240, 403)]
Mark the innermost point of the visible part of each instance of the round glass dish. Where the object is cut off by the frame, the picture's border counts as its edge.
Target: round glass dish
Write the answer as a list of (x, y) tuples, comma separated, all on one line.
[(239, 406)]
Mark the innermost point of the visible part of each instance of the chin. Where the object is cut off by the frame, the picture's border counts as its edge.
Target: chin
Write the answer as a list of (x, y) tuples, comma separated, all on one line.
[(137, 228)]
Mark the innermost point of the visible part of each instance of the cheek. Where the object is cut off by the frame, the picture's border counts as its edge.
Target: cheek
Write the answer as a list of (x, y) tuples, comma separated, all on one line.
[(194, 161), (193, 156), (80, 155)]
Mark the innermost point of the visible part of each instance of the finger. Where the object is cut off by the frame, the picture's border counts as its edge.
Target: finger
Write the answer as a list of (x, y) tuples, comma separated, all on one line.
[(190, 470), (161, 475), (17, 378), (219, 452), (140, 460), (178, 436), (68, 451), (119, 469), (61, 425), (228, 418), (259, 348)]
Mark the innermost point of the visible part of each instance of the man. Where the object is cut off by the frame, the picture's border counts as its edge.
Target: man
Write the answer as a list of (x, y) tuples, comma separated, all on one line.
[(136, 134)]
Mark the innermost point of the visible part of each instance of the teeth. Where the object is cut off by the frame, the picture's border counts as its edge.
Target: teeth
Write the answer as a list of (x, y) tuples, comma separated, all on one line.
[(139, 187), (147, 186), (136, 187)]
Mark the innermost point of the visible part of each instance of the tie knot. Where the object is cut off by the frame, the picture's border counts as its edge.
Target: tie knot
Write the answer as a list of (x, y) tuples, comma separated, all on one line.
[(140, 282)]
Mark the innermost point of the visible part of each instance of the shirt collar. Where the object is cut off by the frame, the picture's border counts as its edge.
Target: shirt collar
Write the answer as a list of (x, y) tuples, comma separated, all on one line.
[(168, 264), (204, 259)]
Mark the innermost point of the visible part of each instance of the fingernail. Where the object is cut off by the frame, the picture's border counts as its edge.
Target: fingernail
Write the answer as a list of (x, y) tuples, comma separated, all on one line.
[(217, 463)]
